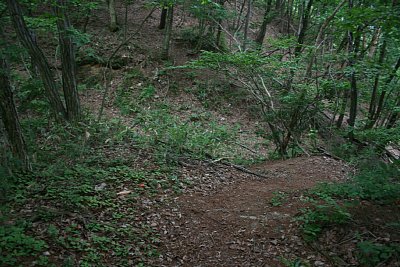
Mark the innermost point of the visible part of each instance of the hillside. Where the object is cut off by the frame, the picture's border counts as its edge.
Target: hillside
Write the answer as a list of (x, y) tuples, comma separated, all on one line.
[(219, 151)]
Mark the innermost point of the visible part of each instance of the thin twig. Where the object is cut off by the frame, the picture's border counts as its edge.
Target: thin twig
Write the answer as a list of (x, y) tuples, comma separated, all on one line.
[(108, 64), (246, 147), (243, 169)]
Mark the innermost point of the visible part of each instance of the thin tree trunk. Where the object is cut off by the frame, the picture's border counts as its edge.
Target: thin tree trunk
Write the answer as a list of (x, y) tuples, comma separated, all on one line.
[(303, 29), (219, 29), (354, 43), (163, 18), (289, 16), (374, 42), (9, 116), (384, 91), (342, 110), (372, 105), (38, 57), (246, 26), (126, 19), (394, 116), (266, 20), (320, 35), (68, 62), (237, 25), (168, 33), (86, 22), (278, 5), (113, 15)]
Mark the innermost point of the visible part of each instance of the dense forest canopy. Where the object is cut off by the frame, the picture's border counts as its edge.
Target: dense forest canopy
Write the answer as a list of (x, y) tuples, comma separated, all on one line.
[(97, 97)]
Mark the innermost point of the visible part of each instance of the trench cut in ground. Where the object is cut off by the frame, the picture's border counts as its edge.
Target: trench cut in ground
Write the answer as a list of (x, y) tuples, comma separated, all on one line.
[(237, 225)]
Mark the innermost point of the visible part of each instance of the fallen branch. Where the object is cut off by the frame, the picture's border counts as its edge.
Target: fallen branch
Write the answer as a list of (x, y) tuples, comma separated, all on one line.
[(247, 148), (324, 152), (240, 168)]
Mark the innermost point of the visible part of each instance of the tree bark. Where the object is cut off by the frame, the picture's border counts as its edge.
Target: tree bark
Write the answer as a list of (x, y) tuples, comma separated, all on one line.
[(372, 105), (246, 26), (394, 116), (68, 63), (163, 18), (38, 57), (113, 15), (168, 33), (219, 29), (266, 20), (384, 91), (354, 43), (320, 35), (10, 119), (303, 29), (342, 110)]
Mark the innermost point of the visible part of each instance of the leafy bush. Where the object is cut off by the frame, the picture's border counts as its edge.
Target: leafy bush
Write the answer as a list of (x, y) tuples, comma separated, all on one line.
[(374, 254), (172, 137), (324, 212), (287, 104), (377, 182), (15, 244), (197, 41)]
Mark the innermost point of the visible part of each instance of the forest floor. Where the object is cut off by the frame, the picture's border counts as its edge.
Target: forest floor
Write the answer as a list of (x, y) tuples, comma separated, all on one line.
[(218, 215), (227, 217), (244, 220)]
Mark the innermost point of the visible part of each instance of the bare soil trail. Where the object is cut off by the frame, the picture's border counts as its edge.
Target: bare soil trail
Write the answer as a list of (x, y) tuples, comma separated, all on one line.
[(235, 224)]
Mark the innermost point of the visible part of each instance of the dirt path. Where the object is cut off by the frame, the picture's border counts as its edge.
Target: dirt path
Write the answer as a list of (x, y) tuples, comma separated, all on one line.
[(234, 222)]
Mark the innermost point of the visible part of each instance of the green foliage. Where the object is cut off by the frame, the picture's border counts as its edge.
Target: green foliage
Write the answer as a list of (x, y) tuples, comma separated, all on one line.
[(218, 95), (278, 199), (15, 245), (374, 254), (125, 101), (324, 212), (134, 93), (286, 105), (377, 182), (380, 137), (294, 263), (199, 41), (173, 137), (147, 93), (32, 96)]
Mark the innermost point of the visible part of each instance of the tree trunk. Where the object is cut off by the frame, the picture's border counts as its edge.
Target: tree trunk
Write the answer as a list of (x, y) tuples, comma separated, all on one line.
[(38, 57), (163, 18), (219, 29), (384, 90), (126, 19), (289, 16), (342, 110), (320, 35), (303, 29), (113, 15), (246, 26), (266, 20), (354, 43), (68, 63), (168, 33), (372, 104), (394, 116), (374, 42), (10, 119), (237, 26)]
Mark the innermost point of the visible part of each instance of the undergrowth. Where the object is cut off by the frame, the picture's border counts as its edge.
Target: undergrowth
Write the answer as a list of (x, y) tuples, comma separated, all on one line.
[(82, 202), (334, 204), (69, 211)]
